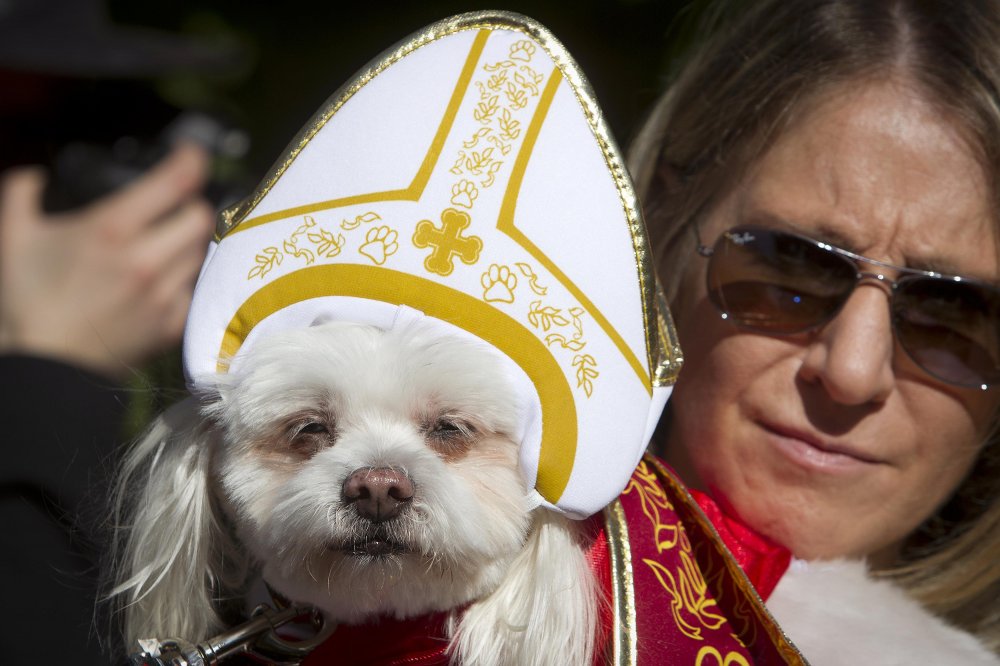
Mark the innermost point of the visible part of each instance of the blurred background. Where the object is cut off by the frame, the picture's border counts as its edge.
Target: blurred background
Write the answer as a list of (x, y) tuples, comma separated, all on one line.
[(300, 51), (72, 89)]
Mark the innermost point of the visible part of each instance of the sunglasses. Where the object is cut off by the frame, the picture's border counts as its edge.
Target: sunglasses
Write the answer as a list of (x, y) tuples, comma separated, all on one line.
[(780, 283)]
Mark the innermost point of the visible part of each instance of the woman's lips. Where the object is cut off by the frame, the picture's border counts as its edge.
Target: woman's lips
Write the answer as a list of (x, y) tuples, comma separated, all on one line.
[(810, 450)]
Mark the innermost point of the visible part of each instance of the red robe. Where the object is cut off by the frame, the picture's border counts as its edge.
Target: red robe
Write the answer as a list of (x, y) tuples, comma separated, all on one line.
[(674, 579)]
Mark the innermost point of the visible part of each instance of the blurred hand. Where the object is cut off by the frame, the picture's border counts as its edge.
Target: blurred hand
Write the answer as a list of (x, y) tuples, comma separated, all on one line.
[(107, 286)]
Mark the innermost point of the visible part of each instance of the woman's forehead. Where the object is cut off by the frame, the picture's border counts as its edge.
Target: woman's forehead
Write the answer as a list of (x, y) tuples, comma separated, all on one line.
[(879, 171)]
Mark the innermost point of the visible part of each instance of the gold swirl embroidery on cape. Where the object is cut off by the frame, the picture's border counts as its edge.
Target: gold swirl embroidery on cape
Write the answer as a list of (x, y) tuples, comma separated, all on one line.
[(750, 610), (710, 656), (694, 610)]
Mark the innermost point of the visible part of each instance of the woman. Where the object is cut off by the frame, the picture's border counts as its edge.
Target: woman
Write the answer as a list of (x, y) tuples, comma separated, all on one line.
[(841, 416)]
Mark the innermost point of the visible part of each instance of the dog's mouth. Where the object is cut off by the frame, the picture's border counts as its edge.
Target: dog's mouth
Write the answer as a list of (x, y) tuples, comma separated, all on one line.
[(374, 547)]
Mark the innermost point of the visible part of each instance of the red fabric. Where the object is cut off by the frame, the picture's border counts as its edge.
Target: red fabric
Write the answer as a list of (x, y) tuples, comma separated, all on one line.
[(600, 563), (764, 561), (420, 641), (693, 602), (386, 642)]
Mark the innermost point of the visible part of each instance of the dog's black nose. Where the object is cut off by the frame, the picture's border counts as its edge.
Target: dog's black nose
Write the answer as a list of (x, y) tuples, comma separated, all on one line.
[(378, 493)]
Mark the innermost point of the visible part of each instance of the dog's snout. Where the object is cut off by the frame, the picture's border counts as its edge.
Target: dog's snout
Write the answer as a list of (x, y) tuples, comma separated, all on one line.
[(378, 493)]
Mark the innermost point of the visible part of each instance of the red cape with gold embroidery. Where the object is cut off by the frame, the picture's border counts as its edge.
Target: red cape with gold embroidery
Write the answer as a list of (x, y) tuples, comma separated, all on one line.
[(677, 592), (679, 595)]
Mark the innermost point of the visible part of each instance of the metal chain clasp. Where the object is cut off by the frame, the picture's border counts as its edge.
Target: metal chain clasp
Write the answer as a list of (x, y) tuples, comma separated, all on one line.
[(257, 636)]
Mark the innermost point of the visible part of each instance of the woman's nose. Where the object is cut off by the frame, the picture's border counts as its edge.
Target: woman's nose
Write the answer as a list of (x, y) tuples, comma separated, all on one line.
[(852, 355)]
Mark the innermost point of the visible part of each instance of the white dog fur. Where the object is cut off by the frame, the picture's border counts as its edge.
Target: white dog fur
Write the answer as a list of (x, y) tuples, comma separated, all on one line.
[(250, 482)]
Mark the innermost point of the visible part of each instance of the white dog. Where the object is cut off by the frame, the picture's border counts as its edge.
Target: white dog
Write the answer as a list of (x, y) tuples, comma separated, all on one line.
[(366, 473)]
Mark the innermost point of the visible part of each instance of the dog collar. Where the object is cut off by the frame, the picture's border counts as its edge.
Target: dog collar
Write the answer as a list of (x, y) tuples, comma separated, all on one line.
[(465, 176)]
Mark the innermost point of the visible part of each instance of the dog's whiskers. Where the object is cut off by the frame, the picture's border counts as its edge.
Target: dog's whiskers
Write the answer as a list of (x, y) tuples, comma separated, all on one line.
[(329, 576), (307, 561)]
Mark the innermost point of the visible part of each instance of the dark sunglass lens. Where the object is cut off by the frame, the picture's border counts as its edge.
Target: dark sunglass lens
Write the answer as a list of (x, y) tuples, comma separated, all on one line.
[(777, 282), (950, 329)]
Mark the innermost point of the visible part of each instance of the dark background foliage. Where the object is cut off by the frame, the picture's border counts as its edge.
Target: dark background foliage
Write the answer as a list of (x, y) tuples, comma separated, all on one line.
[(300, 51)]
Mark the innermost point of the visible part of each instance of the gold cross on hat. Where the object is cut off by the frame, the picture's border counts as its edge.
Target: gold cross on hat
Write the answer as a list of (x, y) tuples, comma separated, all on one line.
[(447, 241)]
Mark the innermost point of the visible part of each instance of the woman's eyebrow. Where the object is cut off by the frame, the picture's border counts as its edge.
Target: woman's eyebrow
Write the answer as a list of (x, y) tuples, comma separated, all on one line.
[(824, 232), (817, 230)]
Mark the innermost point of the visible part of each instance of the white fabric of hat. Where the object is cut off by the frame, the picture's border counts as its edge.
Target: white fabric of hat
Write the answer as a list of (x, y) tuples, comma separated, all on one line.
[(466, 176)]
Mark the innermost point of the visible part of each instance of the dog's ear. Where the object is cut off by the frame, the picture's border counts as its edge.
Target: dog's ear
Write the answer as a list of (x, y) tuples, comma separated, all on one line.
[(169, 536), (545, 611)]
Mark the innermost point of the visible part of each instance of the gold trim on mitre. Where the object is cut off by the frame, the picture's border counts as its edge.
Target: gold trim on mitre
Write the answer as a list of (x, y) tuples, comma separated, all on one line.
[(668, 366), (660, 365)]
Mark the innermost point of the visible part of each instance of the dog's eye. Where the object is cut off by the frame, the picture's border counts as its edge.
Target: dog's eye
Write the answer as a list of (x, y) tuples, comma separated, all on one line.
[(313, 428), (446, 427), (450, 436), (310, 437)]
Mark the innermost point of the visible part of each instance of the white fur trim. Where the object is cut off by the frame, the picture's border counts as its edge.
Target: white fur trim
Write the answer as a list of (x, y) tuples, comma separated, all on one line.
[(838, 615)]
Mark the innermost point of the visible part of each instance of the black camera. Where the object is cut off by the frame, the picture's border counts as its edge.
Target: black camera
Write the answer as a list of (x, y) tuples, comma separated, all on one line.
[(83, 172)]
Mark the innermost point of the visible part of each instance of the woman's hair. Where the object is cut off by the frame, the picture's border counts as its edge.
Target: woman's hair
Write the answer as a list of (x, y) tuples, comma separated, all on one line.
[(739, 93)]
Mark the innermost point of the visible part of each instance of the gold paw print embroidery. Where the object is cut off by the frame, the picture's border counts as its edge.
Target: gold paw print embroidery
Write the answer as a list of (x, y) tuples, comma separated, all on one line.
[(463, 193), (522, 50), (380, 243), (498, 284)]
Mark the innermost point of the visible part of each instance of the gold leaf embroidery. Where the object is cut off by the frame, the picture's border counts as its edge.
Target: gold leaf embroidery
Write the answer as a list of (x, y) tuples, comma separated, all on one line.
[(530, 80), (667, 582), (503, 64), (307, 222), (456, 168), (533, 279), (576, 314), (518, 98), (477, 161), (691, 604), (271, 256), (268, 259), (299, 252), (491, 173), (557, 338), (497, 81), (480, 133), (585, 372), (545, 316), (484, 110), (351, 225), (510, 128), (327, 245), (504, 147)]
